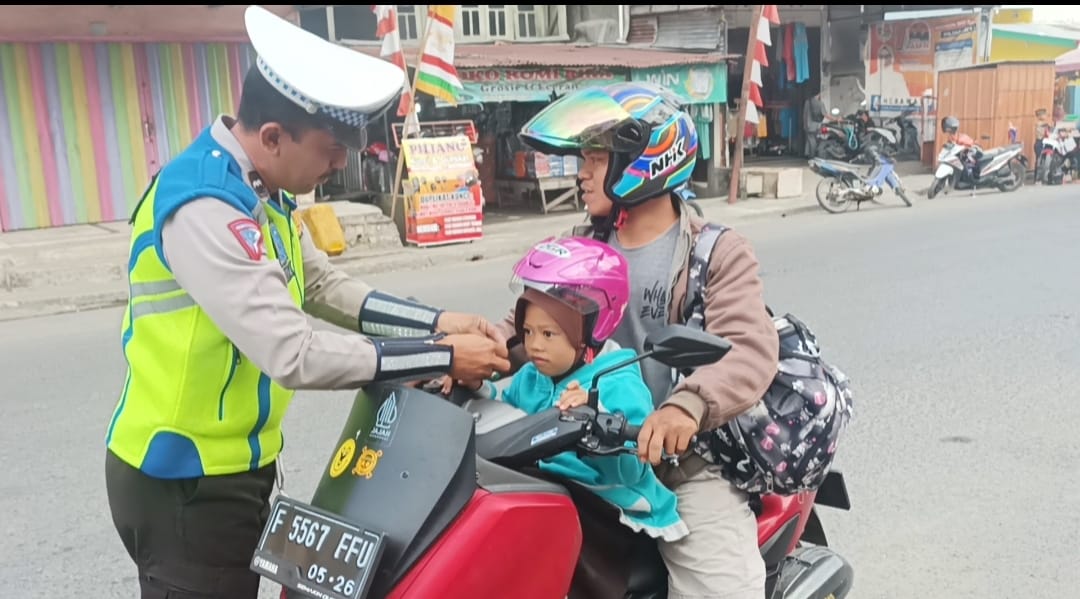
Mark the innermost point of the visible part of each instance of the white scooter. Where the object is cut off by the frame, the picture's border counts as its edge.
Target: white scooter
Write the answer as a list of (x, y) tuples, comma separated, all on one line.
[(962, 164)]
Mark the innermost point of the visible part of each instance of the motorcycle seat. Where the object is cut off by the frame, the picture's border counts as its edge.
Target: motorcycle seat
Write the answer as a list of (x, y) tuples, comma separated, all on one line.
[(498, 479), (996, 151), (843, 167)]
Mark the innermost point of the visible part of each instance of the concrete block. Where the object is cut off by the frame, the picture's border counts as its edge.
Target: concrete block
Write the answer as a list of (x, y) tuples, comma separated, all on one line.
[(778, 182), (366, 226), (789, 182), (754, 184)]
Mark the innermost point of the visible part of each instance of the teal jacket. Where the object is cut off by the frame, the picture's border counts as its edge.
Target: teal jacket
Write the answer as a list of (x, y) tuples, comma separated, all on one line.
[(645, 503)]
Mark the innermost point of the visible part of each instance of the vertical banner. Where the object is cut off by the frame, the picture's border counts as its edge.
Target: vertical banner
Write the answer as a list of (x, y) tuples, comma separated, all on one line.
[(444, 198)]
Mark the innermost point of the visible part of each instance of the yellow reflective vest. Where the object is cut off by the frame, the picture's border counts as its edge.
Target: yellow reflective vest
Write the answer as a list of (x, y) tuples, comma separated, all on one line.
[(192, 404)]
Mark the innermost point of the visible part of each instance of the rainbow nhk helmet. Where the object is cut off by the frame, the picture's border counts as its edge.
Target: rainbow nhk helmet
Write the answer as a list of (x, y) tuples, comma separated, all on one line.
[(652, 141)]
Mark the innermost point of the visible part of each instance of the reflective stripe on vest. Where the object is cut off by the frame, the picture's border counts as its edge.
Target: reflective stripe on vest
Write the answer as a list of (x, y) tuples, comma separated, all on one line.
[(192, 404)]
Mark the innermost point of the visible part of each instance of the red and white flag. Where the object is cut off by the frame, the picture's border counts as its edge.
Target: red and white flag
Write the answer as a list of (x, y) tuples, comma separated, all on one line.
[(387, 31), (759, 58)]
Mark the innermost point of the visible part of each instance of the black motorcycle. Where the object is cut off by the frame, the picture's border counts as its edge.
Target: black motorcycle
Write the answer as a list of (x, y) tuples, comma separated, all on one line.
[(907, 144), (841, 139)]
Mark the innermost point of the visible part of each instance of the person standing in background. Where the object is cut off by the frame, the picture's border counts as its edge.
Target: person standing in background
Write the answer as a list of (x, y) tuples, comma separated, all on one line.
[(812, 117)]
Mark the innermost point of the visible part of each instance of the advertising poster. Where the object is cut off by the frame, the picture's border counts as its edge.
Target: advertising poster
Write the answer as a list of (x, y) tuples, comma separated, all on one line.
[(444, 201), (906, 55)]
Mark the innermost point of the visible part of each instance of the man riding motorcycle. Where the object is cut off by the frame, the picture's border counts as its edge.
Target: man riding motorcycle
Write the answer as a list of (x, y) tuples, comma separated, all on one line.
[(639, 146)]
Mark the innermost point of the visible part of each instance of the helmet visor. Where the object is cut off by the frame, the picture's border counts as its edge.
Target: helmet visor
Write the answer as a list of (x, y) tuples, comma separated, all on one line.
[(585, 119), (583, 298)]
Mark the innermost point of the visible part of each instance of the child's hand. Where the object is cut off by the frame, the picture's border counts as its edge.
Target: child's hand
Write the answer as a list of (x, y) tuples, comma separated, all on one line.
[(573, 396), (448, 385)]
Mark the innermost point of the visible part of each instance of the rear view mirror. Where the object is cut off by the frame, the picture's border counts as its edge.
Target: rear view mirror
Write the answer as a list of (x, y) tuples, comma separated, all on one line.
[(681, 346)]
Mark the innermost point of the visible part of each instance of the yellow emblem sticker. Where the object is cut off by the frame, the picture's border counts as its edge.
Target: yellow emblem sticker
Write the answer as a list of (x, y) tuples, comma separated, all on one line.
[(366, 463), (342, 458)]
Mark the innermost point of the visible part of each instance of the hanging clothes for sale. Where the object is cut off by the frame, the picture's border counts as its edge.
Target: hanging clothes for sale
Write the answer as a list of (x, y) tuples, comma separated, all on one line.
[(802, 54), (789, 51), (778, 57), (763, 126), (703, 118), (789, 123)]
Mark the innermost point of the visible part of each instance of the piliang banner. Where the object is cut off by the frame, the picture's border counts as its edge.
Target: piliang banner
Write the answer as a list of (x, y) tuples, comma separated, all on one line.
[(444, 201)]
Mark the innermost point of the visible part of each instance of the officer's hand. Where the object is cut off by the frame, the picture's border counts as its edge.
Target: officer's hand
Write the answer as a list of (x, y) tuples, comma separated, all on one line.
[(476, 358), (669, 429), (459, 323)]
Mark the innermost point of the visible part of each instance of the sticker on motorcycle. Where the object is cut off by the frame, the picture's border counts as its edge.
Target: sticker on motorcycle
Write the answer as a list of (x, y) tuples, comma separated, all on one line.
[(367, 462), (342, 458)]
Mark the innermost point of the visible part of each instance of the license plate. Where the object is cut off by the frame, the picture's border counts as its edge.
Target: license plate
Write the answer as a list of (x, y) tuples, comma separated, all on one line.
[(309, 550)]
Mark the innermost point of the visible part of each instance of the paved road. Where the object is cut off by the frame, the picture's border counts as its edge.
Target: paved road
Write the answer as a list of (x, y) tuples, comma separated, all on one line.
[(957, 320)]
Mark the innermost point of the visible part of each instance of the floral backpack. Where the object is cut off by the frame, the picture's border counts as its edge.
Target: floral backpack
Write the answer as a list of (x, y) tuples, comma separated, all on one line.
[(786, 443)]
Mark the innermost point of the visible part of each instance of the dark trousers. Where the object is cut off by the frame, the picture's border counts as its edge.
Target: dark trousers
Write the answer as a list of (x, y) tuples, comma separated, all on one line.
[(191, 538)]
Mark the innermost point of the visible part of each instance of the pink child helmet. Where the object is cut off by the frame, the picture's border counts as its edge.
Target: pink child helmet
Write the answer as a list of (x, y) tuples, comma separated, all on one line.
[(585, 274)]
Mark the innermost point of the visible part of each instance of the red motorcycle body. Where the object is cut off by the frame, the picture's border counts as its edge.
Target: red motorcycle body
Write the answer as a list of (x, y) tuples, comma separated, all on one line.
[(449, 524)]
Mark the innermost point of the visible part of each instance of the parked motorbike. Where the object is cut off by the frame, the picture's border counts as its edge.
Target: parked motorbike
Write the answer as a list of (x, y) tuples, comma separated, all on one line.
[(906, 134), (870, 133), (433, 497), (963, 165), (840, 139), (842, 184), (844, 139), (1057, 155)]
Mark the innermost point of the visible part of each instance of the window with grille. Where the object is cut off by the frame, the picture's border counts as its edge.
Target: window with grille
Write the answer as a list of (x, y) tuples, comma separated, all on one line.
[(475, 22), (526, 21), (470, 21), (497, 21), (408, 25)]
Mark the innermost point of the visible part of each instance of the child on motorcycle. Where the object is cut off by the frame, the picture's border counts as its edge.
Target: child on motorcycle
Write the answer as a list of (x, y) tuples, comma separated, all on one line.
[(572, 296)]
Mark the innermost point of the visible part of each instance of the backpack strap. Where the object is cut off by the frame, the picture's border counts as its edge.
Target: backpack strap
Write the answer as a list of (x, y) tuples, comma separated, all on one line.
[(694, 303)]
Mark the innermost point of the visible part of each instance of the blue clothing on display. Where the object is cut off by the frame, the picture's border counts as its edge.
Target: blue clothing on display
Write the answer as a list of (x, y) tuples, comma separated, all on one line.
[(789, 123), (802, 54)]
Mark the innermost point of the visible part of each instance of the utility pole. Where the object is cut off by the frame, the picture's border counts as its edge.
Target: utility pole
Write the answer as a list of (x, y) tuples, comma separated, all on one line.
[(740, 118)]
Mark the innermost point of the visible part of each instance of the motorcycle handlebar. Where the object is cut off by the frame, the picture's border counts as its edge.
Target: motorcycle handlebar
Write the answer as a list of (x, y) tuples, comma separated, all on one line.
[(630, 433)]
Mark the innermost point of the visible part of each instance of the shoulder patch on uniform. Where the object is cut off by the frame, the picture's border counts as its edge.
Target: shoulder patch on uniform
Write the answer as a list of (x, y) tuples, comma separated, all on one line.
[(250, 236)]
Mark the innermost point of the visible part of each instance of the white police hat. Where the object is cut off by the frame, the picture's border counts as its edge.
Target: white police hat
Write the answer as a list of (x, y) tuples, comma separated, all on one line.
[(319, 76)]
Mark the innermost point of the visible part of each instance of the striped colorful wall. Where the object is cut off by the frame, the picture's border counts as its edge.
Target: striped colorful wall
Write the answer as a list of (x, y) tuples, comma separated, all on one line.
[(84, 125)]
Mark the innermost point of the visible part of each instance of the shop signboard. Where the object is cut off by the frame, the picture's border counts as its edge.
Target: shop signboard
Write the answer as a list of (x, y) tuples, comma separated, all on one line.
[(905, 57), (698, 83), (444, 201), (530, 84)]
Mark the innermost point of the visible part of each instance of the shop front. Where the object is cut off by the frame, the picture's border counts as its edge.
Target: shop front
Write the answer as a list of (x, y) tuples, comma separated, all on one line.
[(513, 95), (705, 88), (790, 76), (506, 85)]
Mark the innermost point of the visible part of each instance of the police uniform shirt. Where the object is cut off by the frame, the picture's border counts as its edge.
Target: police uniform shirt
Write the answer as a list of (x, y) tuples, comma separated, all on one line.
[(248, 299)]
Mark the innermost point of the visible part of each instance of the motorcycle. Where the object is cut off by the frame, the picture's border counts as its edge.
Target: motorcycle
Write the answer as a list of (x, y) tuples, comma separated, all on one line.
[(428, 496), (840, 139), (842, 184), (962, 164), (904, 130), (1057, 155), (871, 134)]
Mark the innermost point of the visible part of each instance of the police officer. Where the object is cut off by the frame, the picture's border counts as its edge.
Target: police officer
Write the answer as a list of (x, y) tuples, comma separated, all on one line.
[(216, 333)]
